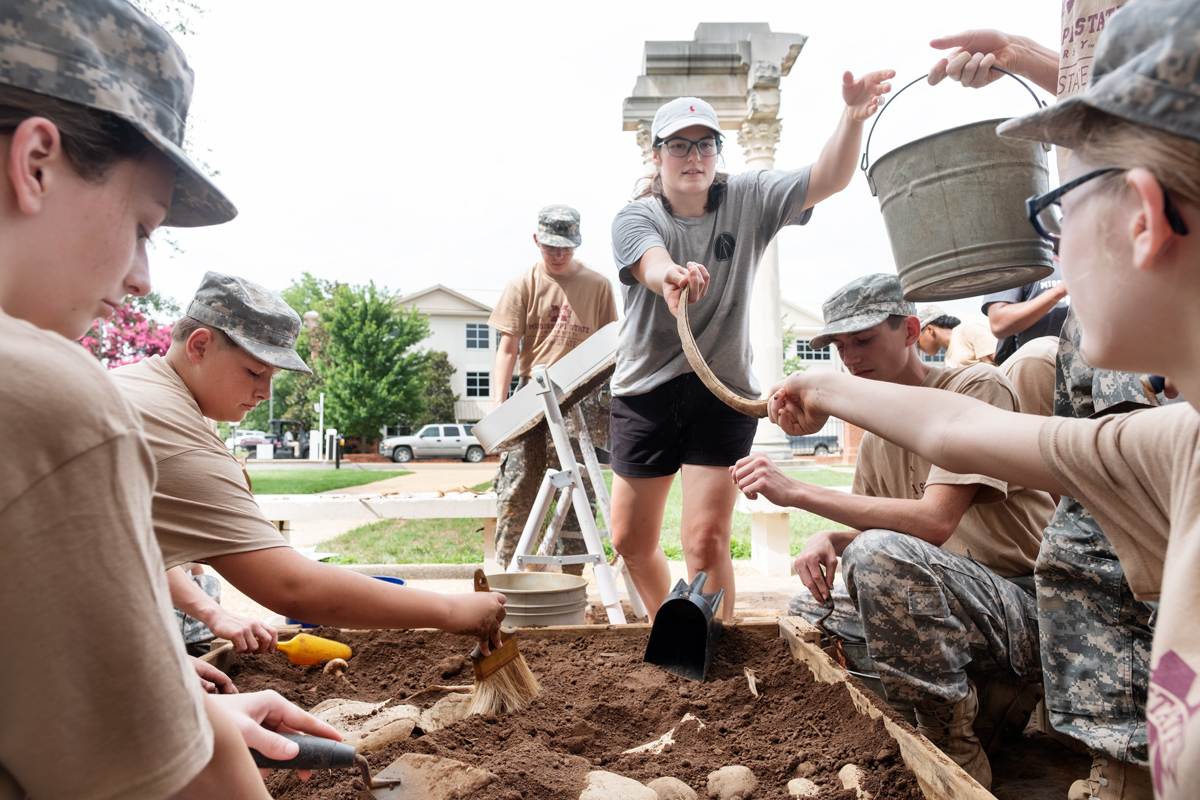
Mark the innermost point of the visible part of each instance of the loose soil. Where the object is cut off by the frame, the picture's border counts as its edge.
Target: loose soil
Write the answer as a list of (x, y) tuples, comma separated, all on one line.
[(598, 700)]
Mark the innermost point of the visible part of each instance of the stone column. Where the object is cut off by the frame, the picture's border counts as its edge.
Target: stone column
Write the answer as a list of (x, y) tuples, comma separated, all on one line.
[(646, 142), (758, 140)]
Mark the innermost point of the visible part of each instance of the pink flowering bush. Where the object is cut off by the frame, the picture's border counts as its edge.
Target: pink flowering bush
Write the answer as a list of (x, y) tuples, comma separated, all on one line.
[(126, 337)]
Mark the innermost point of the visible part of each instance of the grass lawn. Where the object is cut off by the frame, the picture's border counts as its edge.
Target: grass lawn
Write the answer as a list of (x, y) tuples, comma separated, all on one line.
[(459, 541), (312, 481)]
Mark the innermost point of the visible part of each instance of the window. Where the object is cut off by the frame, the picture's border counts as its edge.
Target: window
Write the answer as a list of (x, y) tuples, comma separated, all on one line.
[(513, 385), (940, 358), (477, 336), (479, 384), (806, 353), (430, 432), (498, 335), (451, 430)]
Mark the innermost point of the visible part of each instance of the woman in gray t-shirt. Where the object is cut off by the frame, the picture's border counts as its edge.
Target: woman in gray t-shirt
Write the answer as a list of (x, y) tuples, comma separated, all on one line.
[(692, 226)]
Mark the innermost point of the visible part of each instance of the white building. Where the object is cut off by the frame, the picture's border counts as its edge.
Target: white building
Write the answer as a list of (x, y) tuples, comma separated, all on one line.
[(458, 325)]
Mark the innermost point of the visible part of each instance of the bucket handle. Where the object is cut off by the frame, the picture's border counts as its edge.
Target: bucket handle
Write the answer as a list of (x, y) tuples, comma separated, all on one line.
[(867, 149)]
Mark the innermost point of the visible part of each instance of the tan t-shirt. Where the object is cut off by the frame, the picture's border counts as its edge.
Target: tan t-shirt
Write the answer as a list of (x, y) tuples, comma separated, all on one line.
[(1139, 476), (99, 700), (1031, 372), (551, 315), (203, 506), (1002, 529), (970, 343), (1082, 23)]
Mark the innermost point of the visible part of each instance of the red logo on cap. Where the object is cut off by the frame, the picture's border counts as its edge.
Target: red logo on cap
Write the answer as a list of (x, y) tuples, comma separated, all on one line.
[(692, 109)]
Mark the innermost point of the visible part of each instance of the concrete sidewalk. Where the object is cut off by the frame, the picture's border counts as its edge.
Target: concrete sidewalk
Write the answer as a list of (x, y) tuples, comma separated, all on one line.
[(428, 478)]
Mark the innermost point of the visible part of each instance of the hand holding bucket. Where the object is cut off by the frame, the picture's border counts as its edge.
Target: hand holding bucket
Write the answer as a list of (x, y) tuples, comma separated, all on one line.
[(954, 207)]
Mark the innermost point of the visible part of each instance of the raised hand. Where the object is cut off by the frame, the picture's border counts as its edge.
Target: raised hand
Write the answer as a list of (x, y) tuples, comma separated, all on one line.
[(864, 96)]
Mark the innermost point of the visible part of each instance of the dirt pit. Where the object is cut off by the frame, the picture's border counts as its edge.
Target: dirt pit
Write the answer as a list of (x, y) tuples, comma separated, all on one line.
[(598, 700)]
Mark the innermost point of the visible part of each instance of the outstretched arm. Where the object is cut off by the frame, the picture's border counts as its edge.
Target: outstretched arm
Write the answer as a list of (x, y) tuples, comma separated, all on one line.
[(288, 583), (502, 370), (834, 168), (955, 432), (974, 53), (659, 273)]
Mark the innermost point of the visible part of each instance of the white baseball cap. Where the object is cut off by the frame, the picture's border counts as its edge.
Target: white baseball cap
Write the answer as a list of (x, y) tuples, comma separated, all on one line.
[(683, 112)]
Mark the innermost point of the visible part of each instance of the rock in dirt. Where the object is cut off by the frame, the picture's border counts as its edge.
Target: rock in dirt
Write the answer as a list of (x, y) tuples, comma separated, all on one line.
[(734, 782), (450, 666), (802, 787), (433, 778), (447, 711), (672, 789), (851, 777), (610, 786), (805, 768), (368, 726)]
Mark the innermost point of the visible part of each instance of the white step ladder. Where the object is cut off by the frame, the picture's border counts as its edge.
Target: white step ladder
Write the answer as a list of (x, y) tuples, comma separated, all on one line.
[(571, 493)]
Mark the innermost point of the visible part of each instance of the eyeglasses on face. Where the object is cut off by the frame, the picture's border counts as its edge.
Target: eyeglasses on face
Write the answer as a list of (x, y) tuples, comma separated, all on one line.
[(680, 148), (1045, 210)]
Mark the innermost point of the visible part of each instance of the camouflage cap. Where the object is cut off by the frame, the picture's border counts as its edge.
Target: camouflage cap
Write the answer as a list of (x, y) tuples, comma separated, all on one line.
[(928, 314), (683, 112), (108, 55), (863, 303), (1146, 70), (558, 226), (256, 319)]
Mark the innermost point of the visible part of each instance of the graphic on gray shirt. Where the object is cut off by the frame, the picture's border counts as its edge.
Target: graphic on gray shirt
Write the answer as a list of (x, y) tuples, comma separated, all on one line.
[(729, 243)]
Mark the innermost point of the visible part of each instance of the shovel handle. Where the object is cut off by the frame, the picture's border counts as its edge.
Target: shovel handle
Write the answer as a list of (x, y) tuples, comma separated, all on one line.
[(315, 753)]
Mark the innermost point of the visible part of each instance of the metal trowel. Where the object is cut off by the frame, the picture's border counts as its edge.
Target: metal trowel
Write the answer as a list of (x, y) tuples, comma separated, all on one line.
[(686, 630)]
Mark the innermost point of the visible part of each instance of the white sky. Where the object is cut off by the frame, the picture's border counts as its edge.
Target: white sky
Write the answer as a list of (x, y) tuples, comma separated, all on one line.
[(413, 143)]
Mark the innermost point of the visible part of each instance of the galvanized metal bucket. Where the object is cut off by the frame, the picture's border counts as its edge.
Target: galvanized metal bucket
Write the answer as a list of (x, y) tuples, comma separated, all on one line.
[(954, 207), (535, 599)]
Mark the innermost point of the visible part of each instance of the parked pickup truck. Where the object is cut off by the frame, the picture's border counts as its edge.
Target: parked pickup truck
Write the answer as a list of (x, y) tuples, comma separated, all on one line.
[(816, 444), (434, 441)]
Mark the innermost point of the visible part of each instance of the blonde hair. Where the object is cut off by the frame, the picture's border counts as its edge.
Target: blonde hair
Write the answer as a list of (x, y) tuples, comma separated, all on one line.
[(1112, 141)]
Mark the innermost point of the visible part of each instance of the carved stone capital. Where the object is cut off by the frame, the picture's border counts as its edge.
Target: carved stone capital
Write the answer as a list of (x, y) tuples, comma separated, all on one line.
[(646, 142), (758, 139)]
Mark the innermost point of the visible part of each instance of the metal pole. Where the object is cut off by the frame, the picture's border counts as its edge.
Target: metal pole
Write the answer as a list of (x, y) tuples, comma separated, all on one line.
[(321, 427)]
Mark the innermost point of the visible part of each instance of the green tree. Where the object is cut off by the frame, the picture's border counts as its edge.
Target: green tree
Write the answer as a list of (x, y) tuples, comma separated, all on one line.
[(373, 375), (439, 397), (295, 392), (791, 361)]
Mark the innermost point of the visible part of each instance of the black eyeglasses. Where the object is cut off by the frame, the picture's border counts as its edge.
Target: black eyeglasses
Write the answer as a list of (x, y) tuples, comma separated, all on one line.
[(1045, 211), (680, 148)]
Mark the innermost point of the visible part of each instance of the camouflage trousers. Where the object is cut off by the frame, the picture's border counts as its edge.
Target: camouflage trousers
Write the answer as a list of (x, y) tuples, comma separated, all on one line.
[(194, 631), (1095, 638), (925, 614), (520, 475)]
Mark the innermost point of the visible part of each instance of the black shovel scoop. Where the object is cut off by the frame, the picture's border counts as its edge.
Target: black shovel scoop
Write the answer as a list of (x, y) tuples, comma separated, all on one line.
[(686, 630)]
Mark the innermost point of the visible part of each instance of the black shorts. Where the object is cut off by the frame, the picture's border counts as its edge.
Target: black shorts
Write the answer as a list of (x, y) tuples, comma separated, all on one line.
[(679, 422)]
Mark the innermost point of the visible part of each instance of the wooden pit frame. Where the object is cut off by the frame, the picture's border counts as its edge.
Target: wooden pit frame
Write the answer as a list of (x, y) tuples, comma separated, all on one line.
[(938, 776)]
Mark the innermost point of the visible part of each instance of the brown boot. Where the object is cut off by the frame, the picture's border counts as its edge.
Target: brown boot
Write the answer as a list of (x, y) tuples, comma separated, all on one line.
[(1113, 780), (1004, 710), (948, 726)]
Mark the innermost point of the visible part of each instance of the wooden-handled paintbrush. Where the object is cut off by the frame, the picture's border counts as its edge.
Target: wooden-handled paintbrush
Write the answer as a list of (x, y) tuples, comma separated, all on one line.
[(503, 681)]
